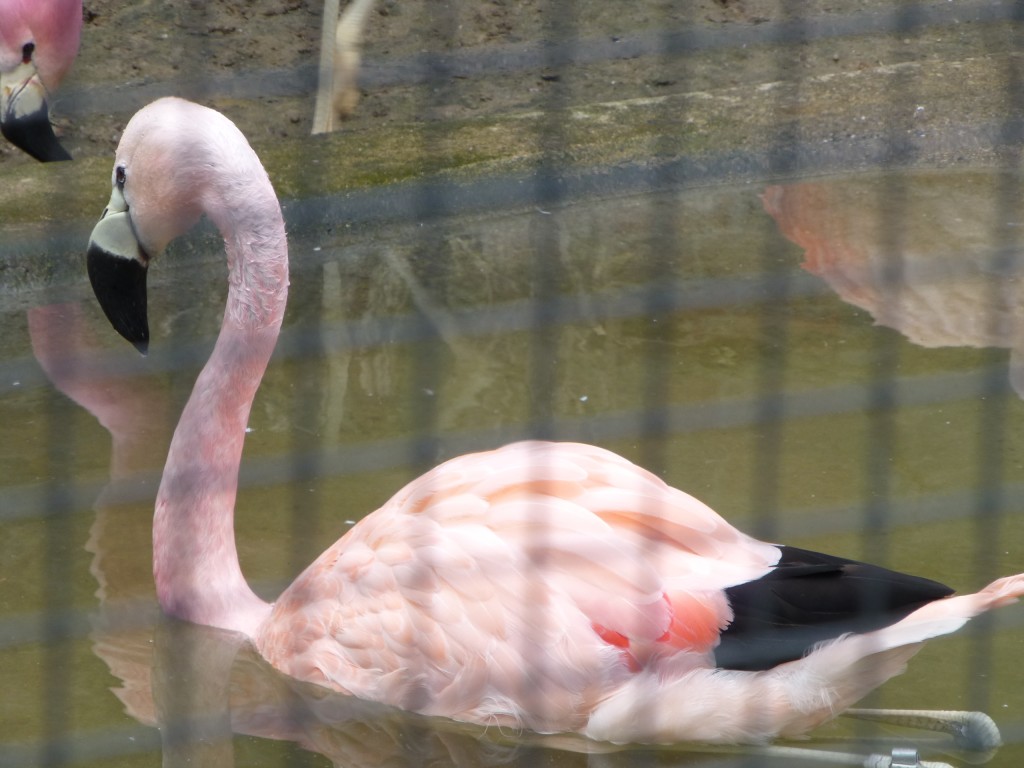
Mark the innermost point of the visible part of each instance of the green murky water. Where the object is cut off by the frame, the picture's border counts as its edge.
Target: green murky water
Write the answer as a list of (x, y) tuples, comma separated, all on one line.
[(868, 404)]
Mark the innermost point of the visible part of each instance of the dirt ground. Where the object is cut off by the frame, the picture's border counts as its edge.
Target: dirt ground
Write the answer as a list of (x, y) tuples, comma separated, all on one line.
[(467, 89), (142, 48)]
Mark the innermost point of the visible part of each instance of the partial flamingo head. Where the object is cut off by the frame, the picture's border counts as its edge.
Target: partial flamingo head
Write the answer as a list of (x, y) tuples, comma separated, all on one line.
[(38, 43), (176, 162)]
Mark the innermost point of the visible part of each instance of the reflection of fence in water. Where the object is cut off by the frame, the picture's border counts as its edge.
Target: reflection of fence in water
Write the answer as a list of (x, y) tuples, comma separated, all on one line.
[(723, 389)]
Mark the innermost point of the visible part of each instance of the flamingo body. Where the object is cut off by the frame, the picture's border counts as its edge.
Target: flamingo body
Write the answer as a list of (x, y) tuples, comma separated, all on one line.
[(548, 586), (38, 43), (562, 561)]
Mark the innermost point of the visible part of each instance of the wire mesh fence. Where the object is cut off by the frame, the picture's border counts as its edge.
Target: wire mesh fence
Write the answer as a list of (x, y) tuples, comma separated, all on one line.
[(767, 250)]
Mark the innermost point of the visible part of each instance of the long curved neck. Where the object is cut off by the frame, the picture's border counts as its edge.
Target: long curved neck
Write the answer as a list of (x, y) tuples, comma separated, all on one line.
[(195, 562)]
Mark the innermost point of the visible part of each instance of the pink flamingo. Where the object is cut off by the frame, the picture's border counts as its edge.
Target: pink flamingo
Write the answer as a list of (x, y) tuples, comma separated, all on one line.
[(551, 587), (38, 43)]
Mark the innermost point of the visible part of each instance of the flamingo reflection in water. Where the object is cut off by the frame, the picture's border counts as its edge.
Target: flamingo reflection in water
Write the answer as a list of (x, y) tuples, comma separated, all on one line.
[(945, 278)]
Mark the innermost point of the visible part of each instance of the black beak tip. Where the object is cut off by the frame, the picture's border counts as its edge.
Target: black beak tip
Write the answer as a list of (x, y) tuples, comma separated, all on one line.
[(34, 134), (120, 287)]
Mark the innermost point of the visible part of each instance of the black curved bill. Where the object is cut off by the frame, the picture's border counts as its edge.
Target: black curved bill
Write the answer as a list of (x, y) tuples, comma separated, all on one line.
[(33, 133), (120, 287)]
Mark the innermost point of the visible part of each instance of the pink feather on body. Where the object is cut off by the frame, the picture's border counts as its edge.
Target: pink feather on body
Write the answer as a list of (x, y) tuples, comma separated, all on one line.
[(502, 569)]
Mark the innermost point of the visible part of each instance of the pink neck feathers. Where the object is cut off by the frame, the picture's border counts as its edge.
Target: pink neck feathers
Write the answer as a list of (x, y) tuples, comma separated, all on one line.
[(196, 565)]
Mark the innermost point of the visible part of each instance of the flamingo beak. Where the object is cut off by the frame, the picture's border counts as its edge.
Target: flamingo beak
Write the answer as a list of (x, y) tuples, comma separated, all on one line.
[(117, 266), (25, 116)]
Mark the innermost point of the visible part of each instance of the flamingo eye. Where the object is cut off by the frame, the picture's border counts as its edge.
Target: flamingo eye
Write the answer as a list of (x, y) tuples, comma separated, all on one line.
[(26, 52), (120, 176)]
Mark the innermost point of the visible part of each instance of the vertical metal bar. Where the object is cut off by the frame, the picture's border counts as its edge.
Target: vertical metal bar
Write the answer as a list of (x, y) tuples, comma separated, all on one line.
[(306, 365), (990, 497), (58, 668), (559, 41), (663, 260), (773, 341), (882, 435), (664, 249), (559, 45), (430, 268)]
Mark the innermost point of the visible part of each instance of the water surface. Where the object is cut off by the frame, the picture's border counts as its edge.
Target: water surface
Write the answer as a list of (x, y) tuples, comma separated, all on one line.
[(831, 363)]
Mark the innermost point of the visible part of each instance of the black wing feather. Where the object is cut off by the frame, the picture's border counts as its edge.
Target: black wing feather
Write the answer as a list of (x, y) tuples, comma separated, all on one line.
[(809, 597)]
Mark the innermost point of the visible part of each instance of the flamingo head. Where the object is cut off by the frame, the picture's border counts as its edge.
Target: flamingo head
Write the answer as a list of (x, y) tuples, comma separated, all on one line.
[(176, 161), (38, 43), (118, 264)]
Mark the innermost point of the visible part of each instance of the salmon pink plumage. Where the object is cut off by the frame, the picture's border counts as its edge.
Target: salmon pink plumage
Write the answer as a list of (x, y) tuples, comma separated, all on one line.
[(550, 586)]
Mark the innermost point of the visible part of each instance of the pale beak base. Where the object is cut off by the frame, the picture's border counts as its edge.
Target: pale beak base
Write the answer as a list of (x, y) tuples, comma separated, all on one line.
[(25, 115)]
